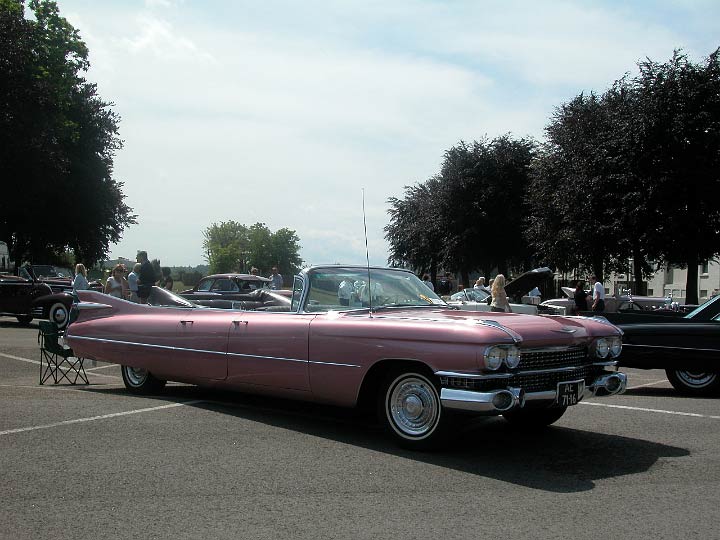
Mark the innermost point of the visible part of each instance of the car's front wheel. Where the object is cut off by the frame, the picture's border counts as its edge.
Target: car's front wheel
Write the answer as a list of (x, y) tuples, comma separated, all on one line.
[(410, 409), (59, 314), (141, 381), (534, 418), (694, 383)]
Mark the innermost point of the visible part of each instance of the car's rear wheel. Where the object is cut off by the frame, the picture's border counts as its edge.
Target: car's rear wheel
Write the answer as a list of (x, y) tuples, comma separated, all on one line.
[(141, 381), (59, 314), (24, 319), (410, 409), (694, 383), (534, 418)]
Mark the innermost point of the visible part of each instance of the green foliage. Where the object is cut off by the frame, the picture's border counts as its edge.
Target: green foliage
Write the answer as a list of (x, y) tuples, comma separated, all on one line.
[(232, 247), (57, 141), (634, 173), (469, 216)]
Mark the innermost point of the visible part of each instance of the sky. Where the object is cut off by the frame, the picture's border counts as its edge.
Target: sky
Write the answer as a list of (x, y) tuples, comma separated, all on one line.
[(289, 113)]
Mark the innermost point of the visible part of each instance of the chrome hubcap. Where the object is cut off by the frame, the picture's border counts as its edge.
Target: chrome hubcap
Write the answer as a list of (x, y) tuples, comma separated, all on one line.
[(136, 376), (413, 406), (59, 316), (696, 379)]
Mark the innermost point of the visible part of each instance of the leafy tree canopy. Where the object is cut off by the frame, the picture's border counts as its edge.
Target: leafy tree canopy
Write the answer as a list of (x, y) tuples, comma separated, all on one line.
[(233, 247), (57, 142)]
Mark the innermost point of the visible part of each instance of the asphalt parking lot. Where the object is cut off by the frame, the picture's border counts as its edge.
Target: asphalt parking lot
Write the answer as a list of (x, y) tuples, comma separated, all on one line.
[(88, 462)]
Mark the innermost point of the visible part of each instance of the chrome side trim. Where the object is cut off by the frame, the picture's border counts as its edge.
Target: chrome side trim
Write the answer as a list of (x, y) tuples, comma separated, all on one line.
[(92, 305), (184, 349), (149, 345)]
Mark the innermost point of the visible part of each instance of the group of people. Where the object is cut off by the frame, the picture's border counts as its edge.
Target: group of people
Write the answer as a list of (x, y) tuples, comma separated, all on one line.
[(135, 286)]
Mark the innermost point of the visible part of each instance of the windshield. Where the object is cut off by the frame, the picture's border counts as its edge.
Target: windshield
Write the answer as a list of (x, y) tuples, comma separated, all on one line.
[(349, 288), (702, 307), (474, 295)]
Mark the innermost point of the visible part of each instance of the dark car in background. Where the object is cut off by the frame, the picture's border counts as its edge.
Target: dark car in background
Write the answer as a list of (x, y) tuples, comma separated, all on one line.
[(236, 291), (687, 347), (26, 297)]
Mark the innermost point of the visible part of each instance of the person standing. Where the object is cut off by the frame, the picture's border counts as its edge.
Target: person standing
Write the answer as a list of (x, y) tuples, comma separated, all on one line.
[(167, 281), (426, 281), (580, 297), (499, 297), (598, 295), (146, 277), (346, 290), (116, 285), (277, 279), (133, 278), (80, 283)]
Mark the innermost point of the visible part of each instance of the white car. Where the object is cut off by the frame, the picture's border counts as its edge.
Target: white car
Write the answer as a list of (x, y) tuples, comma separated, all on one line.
[(613, 303), (478, 299)]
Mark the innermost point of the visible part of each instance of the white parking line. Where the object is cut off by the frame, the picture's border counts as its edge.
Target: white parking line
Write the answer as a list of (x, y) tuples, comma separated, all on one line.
[(661, 381), (643, 409), (101, 417)]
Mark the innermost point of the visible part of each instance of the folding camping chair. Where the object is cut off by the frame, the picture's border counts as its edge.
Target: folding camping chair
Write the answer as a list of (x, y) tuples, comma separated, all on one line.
[(57, 361)]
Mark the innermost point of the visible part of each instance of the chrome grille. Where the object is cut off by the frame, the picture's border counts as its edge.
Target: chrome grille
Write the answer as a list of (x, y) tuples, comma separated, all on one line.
[(536, 371), (552, 358)]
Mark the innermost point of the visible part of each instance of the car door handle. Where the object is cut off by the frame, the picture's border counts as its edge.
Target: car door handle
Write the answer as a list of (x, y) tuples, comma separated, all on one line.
[(238, 323), (186, 322)]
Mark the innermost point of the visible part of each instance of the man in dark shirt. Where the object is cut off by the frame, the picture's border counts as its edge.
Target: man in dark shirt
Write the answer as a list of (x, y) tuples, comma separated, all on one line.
[(147, 277)]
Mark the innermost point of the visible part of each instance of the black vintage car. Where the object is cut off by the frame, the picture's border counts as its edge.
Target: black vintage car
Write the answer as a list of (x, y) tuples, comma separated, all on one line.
[(27, 297), (687, 347), (236, 291)]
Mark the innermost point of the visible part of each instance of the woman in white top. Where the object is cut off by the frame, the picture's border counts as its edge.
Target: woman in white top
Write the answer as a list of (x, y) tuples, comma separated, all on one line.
[(80, 283), (116, 285), (499, 298)]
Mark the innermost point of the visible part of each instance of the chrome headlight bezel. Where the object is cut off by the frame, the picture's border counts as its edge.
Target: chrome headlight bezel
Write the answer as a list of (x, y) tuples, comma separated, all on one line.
[(512, 359), (615, 343), (494, 357), (601, 348)]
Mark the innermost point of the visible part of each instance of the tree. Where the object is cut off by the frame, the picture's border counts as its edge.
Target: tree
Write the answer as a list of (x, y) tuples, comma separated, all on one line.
[(633, 174), (469, 215), (232, 247), (57, 140), (679, 115)]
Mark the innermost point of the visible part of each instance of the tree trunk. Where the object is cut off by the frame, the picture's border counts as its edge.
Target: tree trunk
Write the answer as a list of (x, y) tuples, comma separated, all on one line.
[(465, 277), (691, 284)]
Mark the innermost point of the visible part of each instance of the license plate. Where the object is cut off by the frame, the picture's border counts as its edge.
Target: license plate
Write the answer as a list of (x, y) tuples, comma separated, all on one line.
[(569, 393)]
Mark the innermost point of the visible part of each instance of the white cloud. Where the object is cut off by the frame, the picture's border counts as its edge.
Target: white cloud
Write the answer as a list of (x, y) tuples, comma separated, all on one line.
[(280, 112)]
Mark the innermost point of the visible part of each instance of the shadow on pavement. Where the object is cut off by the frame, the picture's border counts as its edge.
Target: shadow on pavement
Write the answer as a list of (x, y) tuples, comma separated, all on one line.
[(557, 459)]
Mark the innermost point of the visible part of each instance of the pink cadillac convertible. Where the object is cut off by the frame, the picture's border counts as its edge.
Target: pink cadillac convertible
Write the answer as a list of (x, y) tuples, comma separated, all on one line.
[(354, 336)]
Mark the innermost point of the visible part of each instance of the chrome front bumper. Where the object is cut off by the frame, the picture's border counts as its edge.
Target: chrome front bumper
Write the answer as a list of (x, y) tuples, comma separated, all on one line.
[(500, 401)]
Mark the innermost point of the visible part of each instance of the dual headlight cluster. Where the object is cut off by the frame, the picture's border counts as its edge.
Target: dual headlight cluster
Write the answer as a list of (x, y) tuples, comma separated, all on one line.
[(605, 347), (497, 355)]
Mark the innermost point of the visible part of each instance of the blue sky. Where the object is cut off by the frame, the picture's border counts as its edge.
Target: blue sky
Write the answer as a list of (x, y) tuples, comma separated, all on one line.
[(281, 112)]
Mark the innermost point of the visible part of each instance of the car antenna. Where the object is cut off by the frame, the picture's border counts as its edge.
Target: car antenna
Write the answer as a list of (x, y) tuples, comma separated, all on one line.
[(367, 254)]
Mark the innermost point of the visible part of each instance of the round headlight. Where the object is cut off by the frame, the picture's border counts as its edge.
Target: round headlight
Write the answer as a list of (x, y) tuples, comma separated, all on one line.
[(513, 357), (494, 357), (602, 348), (615, 346)]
